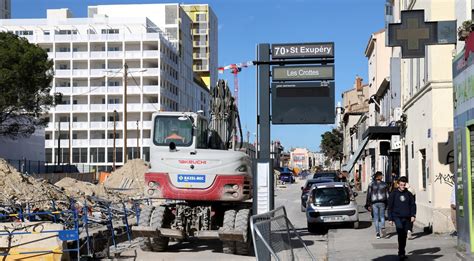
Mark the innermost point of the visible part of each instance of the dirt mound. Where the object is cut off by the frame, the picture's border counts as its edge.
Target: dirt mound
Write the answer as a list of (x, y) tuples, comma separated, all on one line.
[(129, 179), (81, 189), (19, 188)]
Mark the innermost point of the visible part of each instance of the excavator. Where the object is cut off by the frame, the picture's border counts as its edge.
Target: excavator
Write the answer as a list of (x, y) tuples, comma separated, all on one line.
[(200, 181)]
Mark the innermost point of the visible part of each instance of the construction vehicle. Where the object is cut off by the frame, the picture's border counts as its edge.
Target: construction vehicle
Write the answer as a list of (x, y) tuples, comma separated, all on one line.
[(200, 183)]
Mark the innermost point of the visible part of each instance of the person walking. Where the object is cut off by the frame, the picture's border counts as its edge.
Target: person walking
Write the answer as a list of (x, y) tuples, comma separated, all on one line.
[(402, 212), (377, 196), (410, 225)]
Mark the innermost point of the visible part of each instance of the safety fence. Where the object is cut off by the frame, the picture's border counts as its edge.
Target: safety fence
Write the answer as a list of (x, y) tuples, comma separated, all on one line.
[(275, 237), (53, 228)]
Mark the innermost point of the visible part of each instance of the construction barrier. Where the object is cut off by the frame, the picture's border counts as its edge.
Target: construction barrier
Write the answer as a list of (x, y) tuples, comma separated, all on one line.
[(275, 238)]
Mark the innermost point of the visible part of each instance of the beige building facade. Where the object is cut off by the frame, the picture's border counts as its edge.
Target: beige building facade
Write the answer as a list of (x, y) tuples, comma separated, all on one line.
[(427, 105)]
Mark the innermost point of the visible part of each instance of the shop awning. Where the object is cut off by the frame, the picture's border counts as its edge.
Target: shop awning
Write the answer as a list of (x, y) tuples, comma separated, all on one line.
[(381, 132), (350, 164)]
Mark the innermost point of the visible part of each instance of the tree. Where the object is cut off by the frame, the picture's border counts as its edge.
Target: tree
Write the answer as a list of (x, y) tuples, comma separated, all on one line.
[(331, 144), (25, 76)]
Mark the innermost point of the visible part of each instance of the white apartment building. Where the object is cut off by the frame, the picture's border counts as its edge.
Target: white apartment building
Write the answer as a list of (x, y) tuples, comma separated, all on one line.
[(5, 9), (89, 54)]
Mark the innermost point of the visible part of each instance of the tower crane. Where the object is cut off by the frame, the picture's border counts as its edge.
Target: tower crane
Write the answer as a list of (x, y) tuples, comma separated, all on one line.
[(235, 69)]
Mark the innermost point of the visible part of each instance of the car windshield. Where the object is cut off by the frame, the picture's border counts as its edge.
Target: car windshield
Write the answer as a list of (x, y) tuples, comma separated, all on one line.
[(170, 129), (332, 175), (333, 196)]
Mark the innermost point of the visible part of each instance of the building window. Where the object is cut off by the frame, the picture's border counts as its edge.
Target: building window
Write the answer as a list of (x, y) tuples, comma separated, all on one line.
[(424, 170), (110, 31), (24, 32), (67, 32), (46, 32), (49, 155), (201, 17)]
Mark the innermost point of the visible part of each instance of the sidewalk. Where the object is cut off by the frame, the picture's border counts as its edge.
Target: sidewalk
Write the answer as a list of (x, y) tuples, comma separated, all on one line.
[(361, 244)]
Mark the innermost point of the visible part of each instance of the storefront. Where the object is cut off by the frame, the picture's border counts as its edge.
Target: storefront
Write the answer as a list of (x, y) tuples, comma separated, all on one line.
[(463, 74)]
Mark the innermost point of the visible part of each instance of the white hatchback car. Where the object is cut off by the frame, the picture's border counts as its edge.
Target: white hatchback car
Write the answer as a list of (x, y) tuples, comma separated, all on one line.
[(331, 203)]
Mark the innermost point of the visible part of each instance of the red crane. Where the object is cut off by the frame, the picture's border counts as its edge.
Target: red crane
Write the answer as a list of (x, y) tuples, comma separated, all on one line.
[(235, 69)]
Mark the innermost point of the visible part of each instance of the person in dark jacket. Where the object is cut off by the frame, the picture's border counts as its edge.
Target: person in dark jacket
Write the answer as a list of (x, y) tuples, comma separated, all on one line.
[(402, 212), (377, 196)]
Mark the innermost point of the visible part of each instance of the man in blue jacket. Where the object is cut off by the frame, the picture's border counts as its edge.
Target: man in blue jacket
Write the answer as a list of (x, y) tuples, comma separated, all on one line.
[(402, 212)]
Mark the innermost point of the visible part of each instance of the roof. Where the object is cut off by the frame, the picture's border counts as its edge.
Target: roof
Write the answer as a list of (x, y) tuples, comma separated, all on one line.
[(331, 185)]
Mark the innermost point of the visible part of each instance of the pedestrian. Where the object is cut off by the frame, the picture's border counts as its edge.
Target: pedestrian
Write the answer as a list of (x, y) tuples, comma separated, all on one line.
[(453, 211), (377, 196), (402, 212), (393, 178), (341, 177), (410, 225)]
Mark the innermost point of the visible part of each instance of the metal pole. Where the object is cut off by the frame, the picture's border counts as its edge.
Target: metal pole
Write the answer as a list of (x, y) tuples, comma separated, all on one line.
[(138, 146), (125, 83), (59, 143), (264, 115), (115, 150), (70, 147)]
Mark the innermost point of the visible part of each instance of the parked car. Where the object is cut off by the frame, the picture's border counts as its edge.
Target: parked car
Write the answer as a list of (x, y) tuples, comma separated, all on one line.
[(331, 203), (307, 187), (326, 174), (287, 177)]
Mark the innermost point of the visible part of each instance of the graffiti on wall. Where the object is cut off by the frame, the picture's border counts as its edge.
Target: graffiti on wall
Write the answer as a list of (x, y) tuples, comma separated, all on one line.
[(446, 152), (445, 179)]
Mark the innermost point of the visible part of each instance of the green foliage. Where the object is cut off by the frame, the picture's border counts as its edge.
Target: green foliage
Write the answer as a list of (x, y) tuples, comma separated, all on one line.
[(331, 144), (25, 76)]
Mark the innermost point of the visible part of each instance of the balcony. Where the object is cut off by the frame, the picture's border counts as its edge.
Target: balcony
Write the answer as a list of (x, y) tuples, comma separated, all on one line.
[(80, 142), (112, 107), (80, 125), (54, 143), (133, 107), (151, 107), (98, 142), (151, 72), (97, 55), (80, 107), (62, 72), (80, 55), (147, 125), (98, 73), (133, 54), (98, 90), (63, 55), (63, 38), (98, 107), (44, 38), (200, 31), (199, 43), (201, 67), (80, 72), (151, 54), (134, 89), (115, 90), (200, 55), (63, 108), (101, 125), (64, 90), (115, 54), (151, 89)]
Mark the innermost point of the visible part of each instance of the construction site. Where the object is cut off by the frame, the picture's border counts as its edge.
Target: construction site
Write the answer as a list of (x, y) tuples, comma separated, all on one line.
[(70, 219)]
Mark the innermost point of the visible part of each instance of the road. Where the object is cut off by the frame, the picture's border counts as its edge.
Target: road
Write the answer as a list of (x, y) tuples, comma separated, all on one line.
[(336, 243)]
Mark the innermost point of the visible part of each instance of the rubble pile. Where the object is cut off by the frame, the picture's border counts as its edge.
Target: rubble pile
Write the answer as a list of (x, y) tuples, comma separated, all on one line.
[(19, 188), (129, 179), (81, 189)]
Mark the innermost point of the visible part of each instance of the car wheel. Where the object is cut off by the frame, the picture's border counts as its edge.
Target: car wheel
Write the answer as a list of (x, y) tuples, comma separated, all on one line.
[(355, 225), (312, 227)]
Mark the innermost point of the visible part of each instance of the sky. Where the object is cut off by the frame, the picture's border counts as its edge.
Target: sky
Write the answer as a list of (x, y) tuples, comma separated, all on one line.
[(245, 23)]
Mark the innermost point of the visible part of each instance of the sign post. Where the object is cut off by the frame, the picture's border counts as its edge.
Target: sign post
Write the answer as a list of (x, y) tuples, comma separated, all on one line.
[(301, 94)]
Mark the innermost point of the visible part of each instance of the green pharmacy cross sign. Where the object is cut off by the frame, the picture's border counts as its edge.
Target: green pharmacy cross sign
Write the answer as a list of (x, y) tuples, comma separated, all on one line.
[(413, 33)]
